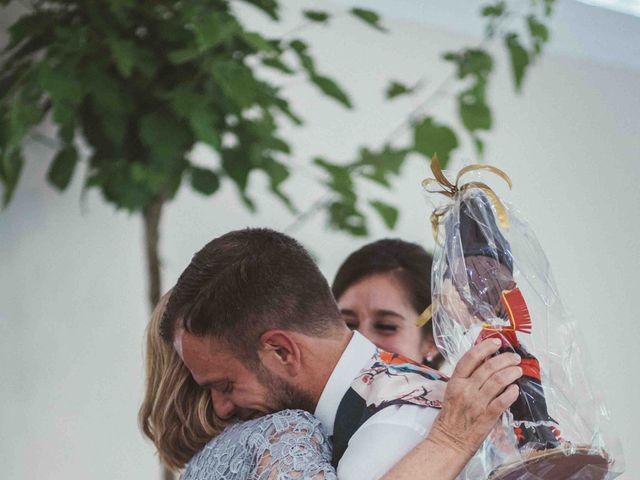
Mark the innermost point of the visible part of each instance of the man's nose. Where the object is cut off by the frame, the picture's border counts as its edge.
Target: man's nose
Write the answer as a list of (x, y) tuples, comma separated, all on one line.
[(222, 405)]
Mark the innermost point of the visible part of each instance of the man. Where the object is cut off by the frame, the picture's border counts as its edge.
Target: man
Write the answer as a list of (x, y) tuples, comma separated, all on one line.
[(255, 322)]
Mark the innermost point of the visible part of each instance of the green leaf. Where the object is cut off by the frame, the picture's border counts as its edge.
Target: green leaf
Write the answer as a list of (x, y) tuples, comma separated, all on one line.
[(270, 7), (147, 62), (331, 89), (123, 52), (278, 173), (539, 33), (203, 123), (24, 112), (149, 178), (537, 29), (62, 167), (67, 132), (396, 89), (123, 184), (474, 112), (300, 49), (378, 166), (276, 144), (495, 10), (479, 144), (10, 169), (167, 137), (519, 59), (340, 180), (185, 99), (283, 106), (29, 26), (214, 28), (237, 165), (316, 15), (259, 43), (204, 180), (60, 85), (473, 62), (194, 107), (183, 55), (430, 137), (277, 64), (388, 213), (66, 92), (343, 215), (237, 82), (369, 17), (548, 7)]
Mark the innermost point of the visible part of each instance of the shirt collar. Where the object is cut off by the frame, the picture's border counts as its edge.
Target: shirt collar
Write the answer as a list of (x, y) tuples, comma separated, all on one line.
[(355, 357)]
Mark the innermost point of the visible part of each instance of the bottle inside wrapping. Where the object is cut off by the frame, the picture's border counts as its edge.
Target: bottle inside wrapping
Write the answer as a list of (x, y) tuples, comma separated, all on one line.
[(491, 279)]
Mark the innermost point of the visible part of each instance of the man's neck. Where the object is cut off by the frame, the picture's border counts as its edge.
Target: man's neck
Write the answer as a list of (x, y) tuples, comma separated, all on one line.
[(324, 356)]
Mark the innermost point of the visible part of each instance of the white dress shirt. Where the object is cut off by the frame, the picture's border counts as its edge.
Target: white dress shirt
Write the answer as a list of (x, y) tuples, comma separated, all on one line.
[(385, 437)]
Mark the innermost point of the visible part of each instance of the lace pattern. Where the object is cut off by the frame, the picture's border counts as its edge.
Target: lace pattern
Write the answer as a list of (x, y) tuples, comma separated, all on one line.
[(281, 446)]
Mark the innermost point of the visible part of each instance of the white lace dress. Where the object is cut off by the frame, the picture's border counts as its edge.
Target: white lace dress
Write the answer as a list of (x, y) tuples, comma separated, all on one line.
[(280, 446)]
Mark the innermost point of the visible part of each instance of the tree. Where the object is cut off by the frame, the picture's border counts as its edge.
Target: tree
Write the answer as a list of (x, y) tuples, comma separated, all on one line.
[(142, 83)]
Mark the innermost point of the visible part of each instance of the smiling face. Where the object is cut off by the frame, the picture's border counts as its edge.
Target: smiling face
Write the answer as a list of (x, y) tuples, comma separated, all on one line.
[(377, 306), (236, 389)]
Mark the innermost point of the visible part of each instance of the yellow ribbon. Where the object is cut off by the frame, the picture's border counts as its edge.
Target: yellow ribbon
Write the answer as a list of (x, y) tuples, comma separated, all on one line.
[(450, 190), (445, 187), (424, 317)]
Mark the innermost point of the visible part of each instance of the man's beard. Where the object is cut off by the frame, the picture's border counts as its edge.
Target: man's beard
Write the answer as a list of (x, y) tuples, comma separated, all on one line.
[(282, 395)]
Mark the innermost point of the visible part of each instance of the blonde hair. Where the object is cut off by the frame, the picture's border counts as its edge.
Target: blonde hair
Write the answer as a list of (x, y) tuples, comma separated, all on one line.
[(176, 413)]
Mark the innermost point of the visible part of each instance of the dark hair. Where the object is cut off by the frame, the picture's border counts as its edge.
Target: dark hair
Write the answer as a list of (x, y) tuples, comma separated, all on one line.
[(408, 262), (247, 282)]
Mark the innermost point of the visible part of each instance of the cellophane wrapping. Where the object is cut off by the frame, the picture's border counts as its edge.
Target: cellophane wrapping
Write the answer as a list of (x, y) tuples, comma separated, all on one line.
[(474, 257)]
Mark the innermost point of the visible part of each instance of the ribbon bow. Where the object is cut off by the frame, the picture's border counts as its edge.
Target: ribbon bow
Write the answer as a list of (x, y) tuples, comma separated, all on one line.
[(450, 190)]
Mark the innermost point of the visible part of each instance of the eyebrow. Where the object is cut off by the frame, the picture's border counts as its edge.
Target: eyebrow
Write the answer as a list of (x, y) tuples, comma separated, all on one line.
[(389, 313), (378, 313)]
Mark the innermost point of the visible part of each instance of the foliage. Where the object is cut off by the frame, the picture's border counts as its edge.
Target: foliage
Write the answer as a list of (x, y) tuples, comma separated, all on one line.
[(473, 67), (143, 83)]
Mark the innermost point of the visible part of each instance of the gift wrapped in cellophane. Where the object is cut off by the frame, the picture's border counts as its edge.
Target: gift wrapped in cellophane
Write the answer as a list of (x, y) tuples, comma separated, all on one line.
[(491, 279)]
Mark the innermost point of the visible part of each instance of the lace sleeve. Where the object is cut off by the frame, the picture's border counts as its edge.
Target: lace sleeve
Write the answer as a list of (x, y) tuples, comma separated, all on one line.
[(295, 448)]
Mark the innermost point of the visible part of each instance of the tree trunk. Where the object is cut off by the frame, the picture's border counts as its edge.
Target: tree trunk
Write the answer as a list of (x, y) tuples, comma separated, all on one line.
[(151, 237), (152, 215)]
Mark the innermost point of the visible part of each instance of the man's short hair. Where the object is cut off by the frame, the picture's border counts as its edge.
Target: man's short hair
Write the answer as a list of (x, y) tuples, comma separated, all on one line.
[(247, 282), (408, 262)]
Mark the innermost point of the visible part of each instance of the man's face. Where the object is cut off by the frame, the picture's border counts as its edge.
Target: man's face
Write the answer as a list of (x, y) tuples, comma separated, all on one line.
[(236, 390)]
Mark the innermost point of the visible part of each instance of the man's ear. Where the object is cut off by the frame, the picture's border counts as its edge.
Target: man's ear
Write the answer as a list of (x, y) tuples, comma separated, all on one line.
[(280, 352)]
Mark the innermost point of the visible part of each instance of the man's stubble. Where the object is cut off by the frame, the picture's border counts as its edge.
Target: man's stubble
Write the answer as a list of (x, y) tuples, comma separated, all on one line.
[(282, 394)]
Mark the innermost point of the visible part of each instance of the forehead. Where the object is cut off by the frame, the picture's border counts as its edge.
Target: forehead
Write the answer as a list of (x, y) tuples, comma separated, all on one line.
[(377, 291), (205, 357)]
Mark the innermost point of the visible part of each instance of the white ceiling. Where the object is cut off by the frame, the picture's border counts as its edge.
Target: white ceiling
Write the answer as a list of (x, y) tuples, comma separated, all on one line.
[(631, 7), (578, 29)]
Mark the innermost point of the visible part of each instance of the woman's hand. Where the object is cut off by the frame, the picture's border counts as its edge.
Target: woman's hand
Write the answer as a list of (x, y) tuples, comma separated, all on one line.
[(480, 389)]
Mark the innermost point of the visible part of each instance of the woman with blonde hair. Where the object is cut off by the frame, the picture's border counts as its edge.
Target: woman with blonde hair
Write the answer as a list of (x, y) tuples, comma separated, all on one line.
[(176, 414)]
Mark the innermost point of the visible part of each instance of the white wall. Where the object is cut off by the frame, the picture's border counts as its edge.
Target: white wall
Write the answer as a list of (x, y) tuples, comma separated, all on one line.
[(72, 291)]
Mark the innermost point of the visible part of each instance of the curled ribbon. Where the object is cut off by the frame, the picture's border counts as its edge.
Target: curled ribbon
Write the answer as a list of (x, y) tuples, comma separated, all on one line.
[(445, 187), (450, 190)]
